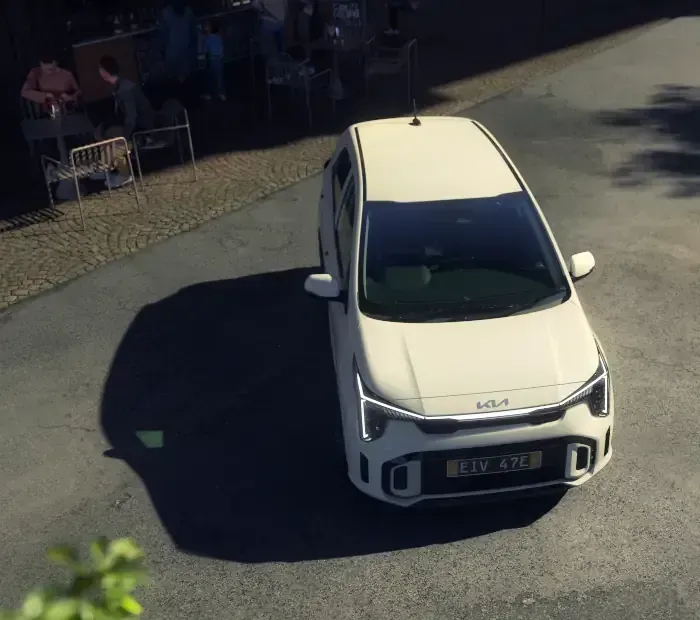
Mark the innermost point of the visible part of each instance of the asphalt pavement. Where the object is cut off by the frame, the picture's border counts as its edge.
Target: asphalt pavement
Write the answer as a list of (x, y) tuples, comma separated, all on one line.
[(206, 349)]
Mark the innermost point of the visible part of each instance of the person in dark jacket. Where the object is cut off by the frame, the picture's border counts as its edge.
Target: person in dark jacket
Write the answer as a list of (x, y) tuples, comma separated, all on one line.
[(132, 112), (130, 103)]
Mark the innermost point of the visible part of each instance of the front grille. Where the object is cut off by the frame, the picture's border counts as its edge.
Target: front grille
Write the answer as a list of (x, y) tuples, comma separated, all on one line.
[(434, 467), (449, 427)]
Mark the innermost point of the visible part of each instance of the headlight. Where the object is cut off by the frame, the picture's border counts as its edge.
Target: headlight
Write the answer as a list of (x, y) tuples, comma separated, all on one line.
[(375, 414), (595, 392)]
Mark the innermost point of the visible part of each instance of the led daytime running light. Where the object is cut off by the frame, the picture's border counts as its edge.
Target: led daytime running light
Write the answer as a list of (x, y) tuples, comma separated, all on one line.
[(600, 380)]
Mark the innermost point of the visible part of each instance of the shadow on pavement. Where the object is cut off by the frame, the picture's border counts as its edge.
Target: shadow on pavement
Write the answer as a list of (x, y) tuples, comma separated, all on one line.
[(671, 118), (238, 377)]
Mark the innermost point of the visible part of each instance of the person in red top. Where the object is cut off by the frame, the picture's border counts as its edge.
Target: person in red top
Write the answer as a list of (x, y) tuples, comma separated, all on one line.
[(48, 82)]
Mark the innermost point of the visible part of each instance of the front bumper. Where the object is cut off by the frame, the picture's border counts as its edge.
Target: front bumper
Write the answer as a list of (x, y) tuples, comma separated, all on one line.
[(408, 466)]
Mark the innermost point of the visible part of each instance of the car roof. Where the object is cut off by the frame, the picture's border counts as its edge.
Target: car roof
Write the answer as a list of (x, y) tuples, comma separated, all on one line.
[(445, 158)]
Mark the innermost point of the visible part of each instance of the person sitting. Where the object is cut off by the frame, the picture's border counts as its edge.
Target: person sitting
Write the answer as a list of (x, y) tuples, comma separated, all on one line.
[(49, 83), (133, 111)]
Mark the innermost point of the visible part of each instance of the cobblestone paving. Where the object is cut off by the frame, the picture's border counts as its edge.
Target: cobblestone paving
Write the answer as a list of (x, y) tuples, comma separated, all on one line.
[(35, 257)]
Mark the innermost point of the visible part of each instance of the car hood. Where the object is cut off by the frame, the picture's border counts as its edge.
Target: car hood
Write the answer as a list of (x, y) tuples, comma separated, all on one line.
[(525, 360)]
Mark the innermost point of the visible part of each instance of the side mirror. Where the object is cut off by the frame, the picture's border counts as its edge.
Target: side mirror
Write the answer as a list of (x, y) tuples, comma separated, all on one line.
[(323, 286), (581, 265)]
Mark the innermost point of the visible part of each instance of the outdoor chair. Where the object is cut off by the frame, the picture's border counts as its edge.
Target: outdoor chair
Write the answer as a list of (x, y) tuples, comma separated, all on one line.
[(85, 162), (30, 112), (296, 76), (386, 61), (172, 119), (29, 109)]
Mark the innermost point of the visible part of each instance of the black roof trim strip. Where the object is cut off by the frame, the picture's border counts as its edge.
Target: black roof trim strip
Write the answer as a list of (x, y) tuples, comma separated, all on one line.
[(362, 166)]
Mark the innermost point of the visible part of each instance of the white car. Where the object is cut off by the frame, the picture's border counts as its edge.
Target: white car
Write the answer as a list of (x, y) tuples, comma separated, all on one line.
[(465, 364)]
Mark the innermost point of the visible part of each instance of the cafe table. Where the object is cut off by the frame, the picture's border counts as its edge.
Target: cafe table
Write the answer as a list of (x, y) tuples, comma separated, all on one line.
[(63, 125)]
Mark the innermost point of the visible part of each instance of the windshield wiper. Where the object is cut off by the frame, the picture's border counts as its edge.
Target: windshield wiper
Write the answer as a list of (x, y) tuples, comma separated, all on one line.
[(463, 312), (492, 311), (551, 297), (473, 309), (429, 315)]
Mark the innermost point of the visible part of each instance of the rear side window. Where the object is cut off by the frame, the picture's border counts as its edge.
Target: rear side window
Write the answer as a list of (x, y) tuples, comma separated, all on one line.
[(345, 227), (341, 171)]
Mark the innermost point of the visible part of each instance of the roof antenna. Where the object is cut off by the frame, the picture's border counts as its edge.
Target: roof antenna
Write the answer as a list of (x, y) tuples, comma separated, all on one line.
[(416, 121)]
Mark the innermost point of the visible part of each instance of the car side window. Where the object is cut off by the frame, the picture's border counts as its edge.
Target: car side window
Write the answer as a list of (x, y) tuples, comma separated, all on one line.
[(344, 227), (341, 171)]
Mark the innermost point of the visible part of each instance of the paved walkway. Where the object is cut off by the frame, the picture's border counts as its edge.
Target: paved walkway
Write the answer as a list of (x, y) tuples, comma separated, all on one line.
[(40, 253)]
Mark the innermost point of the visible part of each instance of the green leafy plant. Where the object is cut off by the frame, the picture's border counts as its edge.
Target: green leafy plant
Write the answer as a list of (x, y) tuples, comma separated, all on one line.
[(99, 589)]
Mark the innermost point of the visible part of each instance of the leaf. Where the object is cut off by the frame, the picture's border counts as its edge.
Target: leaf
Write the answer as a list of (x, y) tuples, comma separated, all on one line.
[(98, 550), (64, 555), (124, 579), (125, 548), (131, 605), (120, 552), (33, 605), (82, 584), (62, 609), (87, 611)]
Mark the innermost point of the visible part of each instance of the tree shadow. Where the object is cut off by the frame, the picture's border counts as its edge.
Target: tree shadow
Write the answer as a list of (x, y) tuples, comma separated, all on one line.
[(236, 377), (671, 118)]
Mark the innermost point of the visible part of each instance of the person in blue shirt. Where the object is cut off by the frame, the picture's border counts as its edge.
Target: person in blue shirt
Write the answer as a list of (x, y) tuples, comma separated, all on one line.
[(214, 51)]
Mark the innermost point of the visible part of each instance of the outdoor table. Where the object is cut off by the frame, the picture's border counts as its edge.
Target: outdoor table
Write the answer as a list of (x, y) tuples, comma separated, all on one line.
[(58, 129)]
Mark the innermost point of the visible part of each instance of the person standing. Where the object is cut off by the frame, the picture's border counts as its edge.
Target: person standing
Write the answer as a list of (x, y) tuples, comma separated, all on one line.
[(180, 40), (214, 52)]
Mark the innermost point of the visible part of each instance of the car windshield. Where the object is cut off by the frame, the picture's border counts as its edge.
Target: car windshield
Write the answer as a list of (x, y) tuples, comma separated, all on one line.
[(457, 260)]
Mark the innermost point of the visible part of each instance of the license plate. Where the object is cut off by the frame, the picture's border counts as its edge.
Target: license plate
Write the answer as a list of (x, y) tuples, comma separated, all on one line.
[(494, 464)]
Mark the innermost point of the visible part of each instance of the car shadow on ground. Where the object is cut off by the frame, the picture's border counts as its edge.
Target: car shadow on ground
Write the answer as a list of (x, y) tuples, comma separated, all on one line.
[(237, 376)]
